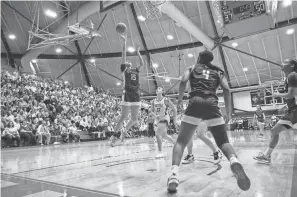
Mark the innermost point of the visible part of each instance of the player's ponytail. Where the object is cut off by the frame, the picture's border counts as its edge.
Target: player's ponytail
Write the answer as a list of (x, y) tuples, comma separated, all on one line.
[(206, 57), (123, 67), (294, 63)]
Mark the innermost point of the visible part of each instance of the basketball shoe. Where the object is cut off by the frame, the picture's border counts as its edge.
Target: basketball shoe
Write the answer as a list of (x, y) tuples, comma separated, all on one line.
[(261, 158), (217, 156), (243, 180), (188, 159), (160, 155), (172, 183)]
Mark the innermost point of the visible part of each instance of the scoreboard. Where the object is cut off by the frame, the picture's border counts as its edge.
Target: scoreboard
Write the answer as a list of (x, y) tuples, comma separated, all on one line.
[(241, 10), (238, 18)]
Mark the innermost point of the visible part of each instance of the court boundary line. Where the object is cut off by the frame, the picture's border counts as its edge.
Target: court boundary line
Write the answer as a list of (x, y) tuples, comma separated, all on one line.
[(61, 185), (32, 170)]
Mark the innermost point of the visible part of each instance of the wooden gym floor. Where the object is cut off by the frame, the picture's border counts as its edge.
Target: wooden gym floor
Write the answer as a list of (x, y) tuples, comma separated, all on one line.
[(94, 169)]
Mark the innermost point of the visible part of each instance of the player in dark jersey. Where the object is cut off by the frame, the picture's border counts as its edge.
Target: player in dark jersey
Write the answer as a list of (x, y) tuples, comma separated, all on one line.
[(259, 116), (205, 78), (131, 95), (290, 118)]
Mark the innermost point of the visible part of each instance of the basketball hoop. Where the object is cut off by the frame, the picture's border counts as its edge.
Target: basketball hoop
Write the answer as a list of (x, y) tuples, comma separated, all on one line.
[(153, 8), (271, 85)]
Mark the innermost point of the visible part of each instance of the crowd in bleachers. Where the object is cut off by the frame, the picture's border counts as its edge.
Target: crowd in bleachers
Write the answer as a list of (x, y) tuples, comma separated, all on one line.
[(34, 109)]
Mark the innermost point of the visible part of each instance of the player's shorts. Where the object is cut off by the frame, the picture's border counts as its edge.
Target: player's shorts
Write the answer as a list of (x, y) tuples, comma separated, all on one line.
[(261, 121), (164, 119), (290, 118), (203, 108), (131, 97)]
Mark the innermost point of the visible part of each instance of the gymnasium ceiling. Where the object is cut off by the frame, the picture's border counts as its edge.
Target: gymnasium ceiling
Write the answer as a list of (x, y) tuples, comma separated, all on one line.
[(275, 45)]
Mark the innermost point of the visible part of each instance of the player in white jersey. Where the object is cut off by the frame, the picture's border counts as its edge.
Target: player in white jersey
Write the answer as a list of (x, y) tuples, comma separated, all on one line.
[(162, 118)]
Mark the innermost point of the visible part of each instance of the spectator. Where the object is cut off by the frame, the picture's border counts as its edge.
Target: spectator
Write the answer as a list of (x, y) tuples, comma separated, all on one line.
[(73, 135), (26, 133), (10, 134)]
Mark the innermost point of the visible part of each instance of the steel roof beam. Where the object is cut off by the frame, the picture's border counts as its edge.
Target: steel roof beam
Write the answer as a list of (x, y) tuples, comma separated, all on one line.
[(151, 51), (8, 52), (149, 65), (219, 47), (82, 63), (80, 55)]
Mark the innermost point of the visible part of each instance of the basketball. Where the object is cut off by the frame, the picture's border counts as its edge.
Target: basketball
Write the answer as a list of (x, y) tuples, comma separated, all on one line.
[(121, 28)]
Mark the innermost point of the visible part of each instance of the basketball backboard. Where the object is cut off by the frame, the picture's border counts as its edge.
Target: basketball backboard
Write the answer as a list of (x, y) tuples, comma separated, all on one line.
[(108, 5)]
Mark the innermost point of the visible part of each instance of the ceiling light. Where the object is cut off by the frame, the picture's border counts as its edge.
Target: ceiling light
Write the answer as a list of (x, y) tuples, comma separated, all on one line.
[(66, 82), (170, 37), (34, 61), (287, 3), (51, 13), (234, 44), (245, 69), (58, 50), (190, 55), (155, 65), (11, 36), (131, 49), (141, 18), (118, 83), (290, 31), (167, 79), (92, 60)]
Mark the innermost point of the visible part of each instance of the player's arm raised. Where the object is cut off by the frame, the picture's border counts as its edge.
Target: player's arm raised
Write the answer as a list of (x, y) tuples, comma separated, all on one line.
[(140, 59), (254, 119), (227, 95), (124, 54), (153, 108), (292, 87), (183, 84)]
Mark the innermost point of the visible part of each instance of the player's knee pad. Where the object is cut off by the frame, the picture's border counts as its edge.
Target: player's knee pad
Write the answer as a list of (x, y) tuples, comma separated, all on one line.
[(219, 134)]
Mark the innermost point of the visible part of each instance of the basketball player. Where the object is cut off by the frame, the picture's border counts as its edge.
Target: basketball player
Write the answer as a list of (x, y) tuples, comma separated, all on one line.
[(201, 134), (290, 118), (205, 78), (160, 109), (131, 95), (260, 117)]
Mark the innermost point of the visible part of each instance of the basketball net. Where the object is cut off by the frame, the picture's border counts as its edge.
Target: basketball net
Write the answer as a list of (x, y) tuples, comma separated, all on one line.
[(153, 8), (271, 87)]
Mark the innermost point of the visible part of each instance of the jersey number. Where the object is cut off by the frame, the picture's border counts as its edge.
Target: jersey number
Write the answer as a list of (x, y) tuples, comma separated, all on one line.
[(158, 109), (206, 74), (133, 77)]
